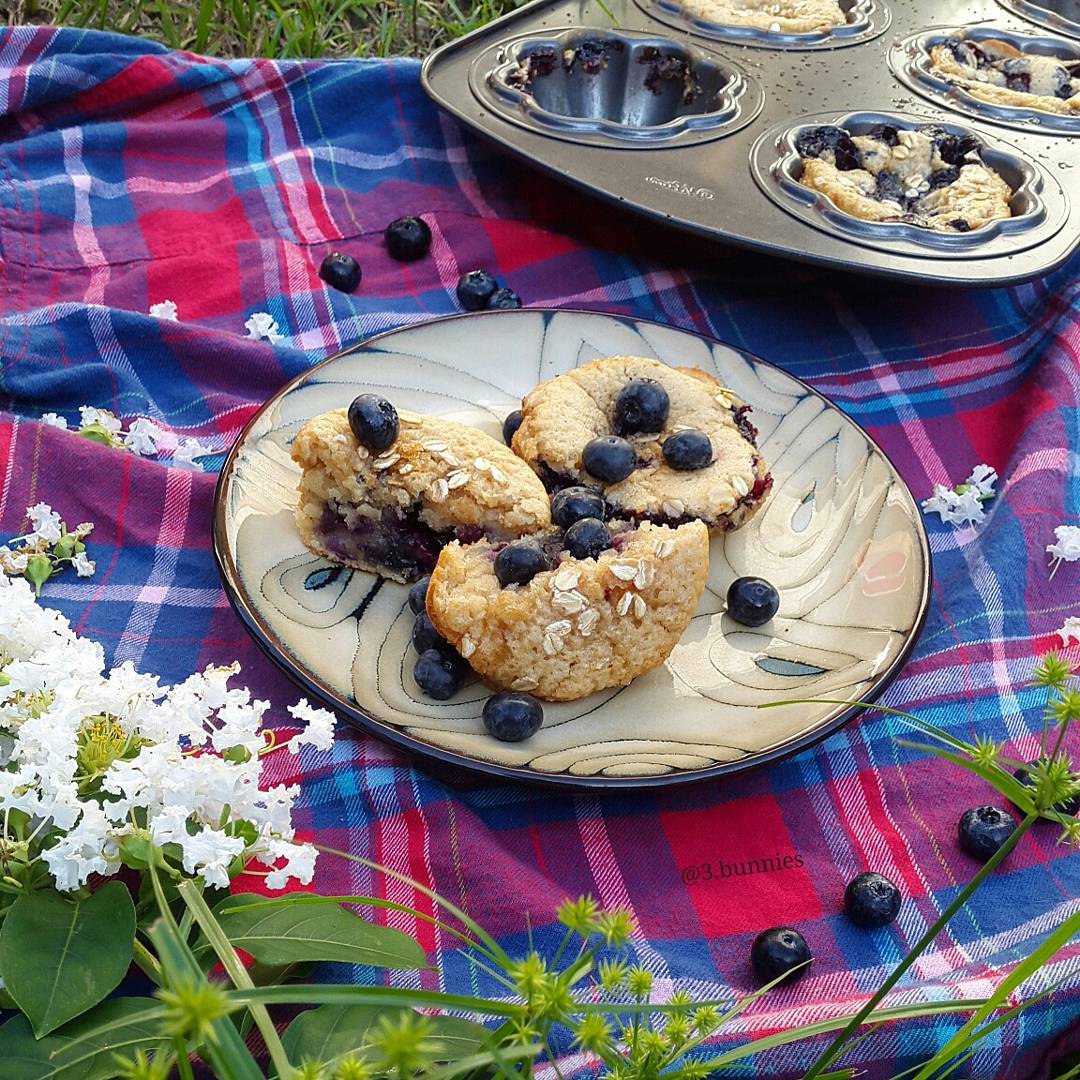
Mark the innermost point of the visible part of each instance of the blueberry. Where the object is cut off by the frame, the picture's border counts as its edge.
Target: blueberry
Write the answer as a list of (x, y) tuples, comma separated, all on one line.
[(609, 458), (374, 421), (687, 451), (504, 299), (960, 224), (1063, 87), (890, 186), (1067, 806), (512, 717), (940, 178), (1019, 81), (574, 503), (425, 636), (871, 900), (518, 563), (418, 594), (407, 239), (815, 142), (983, 830), (885, 133), (475, 289), (510, 425), (779, 952), (586, 538), (752, 601), (641, 405), (341, 272), (953, 149), (439, 673)]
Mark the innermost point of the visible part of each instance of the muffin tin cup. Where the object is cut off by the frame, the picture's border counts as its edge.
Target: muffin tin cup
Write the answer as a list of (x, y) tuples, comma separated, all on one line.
[(615, 88), (1059, 16), (910, 61), (1039, 205)]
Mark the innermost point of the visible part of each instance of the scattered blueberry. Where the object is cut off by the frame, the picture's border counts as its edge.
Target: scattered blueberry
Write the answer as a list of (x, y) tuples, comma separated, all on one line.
[(641, 405), (779, 952), (512, 717), (503, 299), (871, 900), (1067, 806), (816, 141), (609, 458), (418, 594), (687, 451), (752, 601), (374, 421), (586, 538), (510, 425), (983, 830), (341, 272), (574, 503), (475, 289), (407, 239), (519, 562), (439, 674), (425, 636)]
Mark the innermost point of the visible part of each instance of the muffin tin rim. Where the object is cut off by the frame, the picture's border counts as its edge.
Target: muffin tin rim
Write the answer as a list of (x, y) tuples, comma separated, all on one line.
[(1042, 17)]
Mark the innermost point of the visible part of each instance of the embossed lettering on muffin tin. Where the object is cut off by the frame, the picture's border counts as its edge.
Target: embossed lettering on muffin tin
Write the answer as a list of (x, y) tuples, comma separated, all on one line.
[(1062, 16), (777, 165), (866, 19), (606, 86), (910, 61)]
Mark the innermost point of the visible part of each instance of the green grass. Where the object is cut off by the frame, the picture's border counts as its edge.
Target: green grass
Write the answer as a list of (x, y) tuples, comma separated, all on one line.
[(276, 28)]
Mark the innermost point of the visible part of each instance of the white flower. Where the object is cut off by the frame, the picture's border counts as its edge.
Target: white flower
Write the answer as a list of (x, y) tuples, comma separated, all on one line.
[(982, 479), (164, 309), (1070, 631), (1065, 549), (52, 420), (143, 436), (209, 853), (319, 731), (84, 567), (45, 522), (90, 415), (263, 325), (963, 506), (968, 509), (299, 863), (187, 451), (943, 503), (82, 851)]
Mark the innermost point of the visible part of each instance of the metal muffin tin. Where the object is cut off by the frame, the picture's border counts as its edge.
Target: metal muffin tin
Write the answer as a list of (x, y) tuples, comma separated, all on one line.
[(1061, 16), (715, 164)]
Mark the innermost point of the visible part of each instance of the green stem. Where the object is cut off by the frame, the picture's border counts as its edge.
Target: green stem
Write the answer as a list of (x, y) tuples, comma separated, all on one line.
[(183, 1062), (237, 973), (836, 1047), (148, 962)]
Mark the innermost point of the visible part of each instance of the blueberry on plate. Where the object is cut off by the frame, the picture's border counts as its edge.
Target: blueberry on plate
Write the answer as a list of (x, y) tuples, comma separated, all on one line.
[(871, 900), (512, 716), (504, 299), (587, 538), (475, 289), (374, 421), (1067, 806), (418, 594), (425, 636), (519, 562), (439, 673), (752, 601), (574, 503), (687, 451), (407, 239), (779, 952), (983, 830), (341, 272), (609, 458), (641, 405), (510, 425), (816, 141)]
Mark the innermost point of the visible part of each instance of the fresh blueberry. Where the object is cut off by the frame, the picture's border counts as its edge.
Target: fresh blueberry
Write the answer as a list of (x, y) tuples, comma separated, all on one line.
[(341, 272), (687, 451), (475, 289), (817, 141), (752, 601), (641, 405), (374, 421), (779, 952), (586, 538), (512, 717), (609, 458), (407, 239), (871, 900), (418, 594), (504, 299), (574, 503), (885, 133), (510, 425), (1067, 806), (518, 563), (439, 673), (983, 830), (425, 636)]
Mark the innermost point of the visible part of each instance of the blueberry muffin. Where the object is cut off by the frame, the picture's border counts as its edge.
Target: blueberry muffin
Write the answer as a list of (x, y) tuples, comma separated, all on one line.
[(777, 16), (999, 73), (924, 176), (663, 444), (390, 507), (563, 627)]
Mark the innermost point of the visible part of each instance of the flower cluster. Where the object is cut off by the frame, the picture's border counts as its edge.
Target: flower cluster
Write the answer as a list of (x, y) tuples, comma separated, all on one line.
[(103, 768), (47, 548), (963, 505), (1066, 547)]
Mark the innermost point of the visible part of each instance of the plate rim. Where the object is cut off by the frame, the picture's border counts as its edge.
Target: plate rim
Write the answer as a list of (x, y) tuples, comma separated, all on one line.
[(352, 713)]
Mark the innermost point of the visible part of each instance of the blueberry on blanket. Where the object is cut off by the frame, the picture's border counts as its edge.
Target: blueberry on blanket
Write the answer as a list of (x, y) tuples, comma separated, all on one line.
[(341, 272)]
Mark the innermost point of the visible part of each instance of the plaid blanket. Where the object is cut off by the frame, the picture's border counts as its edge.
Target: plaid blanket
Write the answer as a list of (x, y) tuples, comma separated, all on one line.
[(131, 175)]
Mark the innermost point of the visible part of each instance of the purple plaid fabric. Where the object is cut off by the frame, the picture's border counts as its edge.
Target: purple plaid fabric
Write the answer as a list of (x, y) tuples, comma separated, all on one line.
[(131, 175)]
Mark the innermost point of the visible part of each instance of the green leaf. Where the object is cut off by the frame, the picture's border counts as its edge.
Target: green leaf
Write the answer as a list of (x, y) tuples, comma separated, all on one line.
[(286, 935), (60, 957), (55, 1057)]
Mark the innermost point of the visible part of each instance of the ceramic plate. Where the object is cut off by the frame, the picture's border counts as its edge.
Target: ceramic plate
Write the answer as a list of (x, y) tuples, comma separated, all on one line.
[(839, 536)]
